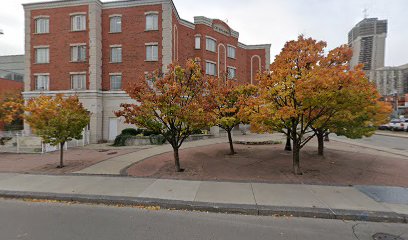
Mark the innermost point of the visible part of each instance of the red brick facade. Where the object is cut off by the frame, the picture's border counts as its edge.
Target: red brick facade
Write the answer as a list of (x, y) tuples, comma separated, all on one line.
[(174, 37), (10, 86), (133, 38), (58, 39)]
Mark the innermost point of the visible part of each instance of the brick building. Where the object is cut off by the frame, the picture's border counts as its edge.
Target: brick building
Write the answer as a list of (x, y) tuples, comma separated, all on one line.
[(10, 86), (92, 49)]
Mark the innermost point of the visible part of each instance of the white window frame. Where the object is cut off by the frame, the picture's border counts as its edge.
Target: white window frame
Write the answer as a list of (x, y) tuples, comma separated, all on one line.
[(115, 26), (42, 59), (45, 82), (116, 54), (80, 85), (229, 68), (197, 42), (210, 68), (210, 44), (232, 51), (42, 25), (78, 22), (152, 21), (78, 53), (152, 52), (112, 78)]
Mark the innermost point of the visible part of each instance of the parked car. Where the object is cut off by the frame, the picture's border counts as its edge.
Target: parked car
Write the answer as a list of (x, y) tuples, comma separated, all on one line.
[(397, 125), (384, 127), (405, 125)]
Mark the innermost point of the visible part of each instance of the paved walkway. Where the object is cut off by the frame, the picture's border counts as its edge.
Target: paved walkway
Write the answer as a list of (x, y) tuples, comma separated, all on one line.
[(321, 201), (114, 166)]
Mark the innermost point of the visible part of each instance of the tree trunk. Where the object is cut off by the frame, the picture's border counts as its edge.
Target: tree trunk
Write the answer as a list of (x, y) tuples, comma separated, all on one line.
[(288, 146), (61, 165), (177, 159), (296, 159), (296, 151), (232, 152), (320, 141)]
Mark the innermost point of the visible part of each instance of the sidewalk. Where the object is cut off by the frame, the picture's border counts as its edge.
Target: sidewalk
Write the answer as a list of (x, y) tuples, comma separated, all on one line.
[(364, 203)]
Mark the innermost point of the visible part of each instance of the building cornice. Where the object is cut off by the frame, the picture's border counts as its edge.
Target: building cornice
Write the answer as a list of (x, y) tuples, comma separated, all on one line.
[(60, 3), (254, 47), (209, 22), (80, 93)]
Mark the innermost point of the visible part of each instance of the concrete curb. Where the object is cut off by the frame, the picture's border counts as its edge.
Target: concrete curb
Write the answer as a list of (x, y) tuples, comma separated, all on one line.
[(382, 149), (391, 135), (354, 215)]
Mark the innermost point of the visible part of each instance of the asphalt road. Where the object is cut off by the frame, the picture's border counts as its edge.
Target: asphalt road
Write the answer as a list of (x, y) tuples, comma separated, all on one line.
[(51, 221), (396, 143)]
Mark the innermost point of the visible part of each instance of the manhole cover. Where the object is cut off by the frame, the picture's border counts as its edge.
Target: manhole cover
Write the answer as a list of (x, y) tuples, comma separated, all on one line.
[(386, 236)]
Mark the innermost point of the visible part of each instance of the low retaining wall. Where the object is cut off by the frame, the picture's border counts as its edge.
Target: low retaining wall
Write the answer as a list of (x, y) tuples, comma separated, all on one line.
[(141, 140)]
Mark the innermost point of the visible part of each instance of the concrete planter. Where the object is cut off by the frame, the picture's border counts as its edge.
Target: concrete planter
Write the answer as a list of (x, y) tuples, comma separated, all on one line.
[(142, 140), (137, 141)]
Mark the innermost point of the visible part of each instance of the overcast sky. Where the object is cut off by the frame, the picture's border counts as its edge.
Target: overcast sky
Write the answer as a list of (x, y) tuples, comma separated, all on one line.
[(264, 21)]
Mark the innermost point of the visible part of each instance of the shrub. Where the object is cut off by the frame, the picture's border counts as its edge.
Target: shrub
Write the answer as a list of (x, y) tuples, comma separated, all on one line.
[(197, 131), (131, 131), (157, 139), (120, 140), (147, 132)]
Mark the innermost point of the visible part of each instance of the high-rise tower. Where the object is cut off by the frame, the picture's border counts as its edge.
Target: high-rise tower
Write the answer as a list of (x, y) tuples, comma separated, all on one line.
[(367, 40)]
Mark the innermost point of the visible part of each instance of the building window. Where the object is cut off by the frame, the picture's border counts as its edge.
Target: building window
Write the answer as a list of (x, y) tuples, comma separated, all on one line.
[(231, 52), (210, 44), (78, 81), (42, 25), (232, 73), (42, 82), (152, 53), (116, 54), (42, 55), (152, 22), (210, 68), (78, 53), (78, 23), (197, 42), (116, 82), (116, 24)]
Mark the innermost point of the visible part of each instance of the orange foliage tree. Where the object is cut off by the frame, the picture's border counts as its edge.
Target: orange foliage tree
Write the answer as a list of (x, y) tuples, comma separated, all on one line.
[(57, 119), (305, 89), (11, 108), (175, 104), (352, 102), (229, 98)]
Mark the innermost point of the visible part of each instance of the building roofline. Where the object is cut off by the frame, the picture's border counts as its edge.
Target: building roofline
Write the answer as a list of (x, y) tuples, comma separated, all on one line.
[(254, 47), (129, 3), (13, 55)]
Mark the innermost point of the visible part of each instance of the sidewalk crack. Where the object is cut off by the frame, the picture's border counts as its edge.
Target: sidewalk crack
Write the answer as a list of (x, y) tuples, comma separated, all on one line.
[(253, 195)]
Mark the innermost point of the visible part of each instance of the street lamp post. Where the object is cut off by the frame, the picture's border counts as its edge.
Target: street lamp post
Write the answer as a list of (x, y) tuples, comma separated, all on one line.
[(395, 93)]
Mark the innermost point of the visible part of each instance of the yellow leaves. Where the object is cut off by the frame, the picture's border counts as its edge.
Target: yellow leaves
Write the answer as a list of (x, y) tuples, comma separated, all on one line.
[(57, 119), (11, 108)]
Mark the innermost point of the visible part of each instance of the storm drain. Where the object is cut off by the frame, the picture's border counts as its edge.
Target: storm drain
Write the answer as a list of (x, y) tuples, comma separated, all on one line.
[(386, 236)]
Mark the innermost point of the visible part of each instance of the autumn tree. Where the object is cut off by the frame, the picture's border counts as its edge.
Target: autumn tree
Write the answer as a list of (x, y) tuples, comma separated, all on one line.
[(57, 119), (350, 102), (294, 93), (228, 98), (11, 108), (174, 104)]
